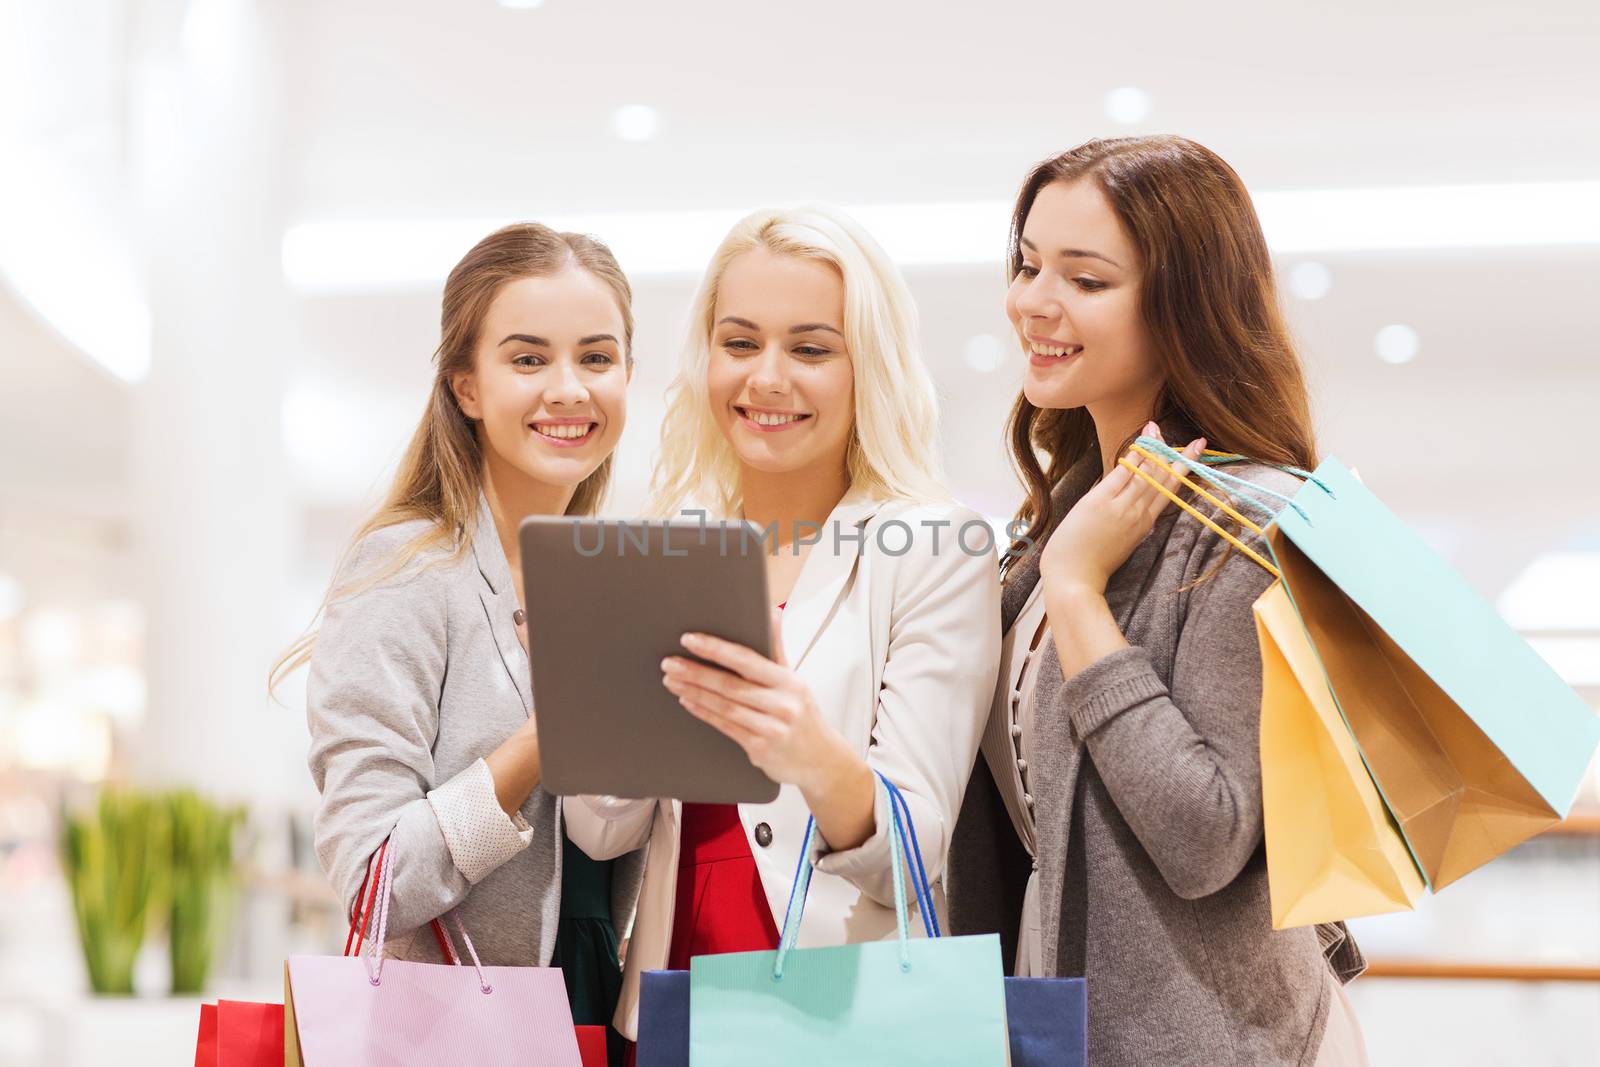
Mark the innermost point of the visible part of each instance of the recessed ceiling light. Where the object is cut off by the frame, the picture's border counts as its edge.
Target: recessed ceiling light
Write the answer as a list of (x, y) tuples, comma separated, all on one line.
[(636, 122), (1310, 280), (984, 353), (522, 5), (1127, 104), (1397, 344)]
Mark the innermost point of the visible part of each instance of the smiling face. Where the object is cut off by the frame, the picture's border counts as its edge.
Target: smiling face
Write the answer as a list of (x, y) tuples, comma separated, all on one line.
[(548, 384), (780, 379), (1075, 306)]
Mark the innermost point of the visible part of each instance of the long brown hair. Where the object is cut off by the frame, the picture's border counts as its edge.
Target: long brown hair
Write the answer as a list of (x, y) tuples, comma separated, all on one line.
[(1208, 300), (441, 473)]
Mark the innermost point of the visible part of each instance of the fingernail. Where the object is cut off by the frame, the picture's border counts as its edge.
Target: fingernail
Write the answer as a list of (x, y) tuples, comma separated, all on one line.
[(691, 640), (1150, 429), (668, 666)]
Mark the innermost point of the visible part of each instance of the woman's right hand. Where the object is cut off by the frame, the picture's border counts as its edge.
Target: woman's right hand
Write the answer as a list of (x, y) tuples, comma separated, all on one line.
[(515, 767)]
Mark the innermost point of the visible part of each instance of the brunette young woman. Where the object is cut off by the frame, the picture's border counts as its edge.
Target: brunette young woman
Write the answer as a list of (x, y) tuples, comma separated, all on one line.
[(1113, 828), (804, 407), (422, 739)]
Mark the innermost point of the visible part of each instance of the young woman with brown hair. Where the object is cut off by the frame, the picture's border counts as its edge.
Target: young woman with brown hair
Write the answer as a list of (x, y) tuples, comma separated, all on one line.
[(1114, 827), (418, 697)]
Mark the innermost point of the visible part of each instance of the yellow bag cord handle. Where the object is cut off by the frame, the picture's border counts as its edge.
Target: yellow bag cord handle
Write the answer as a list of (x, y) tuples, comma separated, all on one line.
[(1190, 508)]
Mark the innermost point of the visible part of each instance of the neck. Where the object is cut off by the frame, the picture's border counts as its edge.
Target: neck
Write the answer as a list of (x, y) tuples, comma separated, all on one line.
[(513, 496), (1115, 425), (792, 497)]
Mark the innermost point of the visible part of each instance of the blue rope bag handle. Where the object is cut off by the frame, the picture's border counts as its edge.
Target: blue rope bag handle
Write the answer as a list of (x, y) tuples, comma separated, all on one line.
[(913, 851)]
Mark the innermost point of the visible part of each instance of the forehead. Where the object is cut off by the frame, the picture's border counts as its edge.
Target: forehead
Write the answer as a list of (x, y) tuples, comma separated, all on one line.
[(571, 301), (774, 290), (1076, 214)]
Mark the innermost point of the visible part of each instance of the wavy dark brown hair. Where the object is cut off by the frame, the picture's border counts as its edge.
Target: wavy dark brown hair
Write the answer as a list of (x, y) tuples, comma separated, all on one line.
[(1209, 303)]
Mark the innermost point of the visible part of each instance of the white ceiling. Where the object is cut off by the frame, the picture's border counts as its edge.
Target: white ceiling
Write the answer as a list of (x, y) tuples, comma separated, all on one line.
[(442, 109)]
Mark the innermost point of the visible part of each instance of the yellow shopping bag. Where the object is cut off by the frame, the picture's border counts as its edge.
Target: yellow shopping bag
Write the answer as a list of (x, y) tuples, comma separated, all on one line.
[(1333, 851)]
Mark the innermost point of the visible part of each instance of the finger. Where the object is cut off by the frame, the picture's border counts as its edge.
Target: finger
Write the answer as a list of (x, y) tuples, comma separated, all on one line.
[(720, 711), (1154, 501), (732, 730), (683, 671), (741, 659)]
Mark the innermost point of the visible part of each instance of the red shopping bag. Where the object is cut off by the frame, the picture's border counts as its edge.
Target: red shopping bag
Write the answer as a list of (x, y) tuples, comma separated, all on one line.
[(592, 1045), (238, 1033), (205, 1048)]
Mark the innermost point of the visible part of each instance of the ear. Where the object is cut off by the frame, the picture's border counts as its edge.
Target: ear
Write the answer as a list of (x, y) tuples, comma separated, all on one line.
[(465, 388)]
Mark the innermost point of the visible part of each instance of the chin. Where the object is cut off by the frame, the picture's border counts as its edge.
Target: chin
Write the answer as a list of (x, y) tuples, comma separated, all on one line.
[(1049, 396)]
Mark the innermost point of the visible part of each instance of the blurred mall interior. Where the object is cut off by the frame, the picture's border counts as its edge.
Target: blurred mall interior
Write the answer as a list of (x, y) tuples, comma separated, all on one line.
[(223, 229)]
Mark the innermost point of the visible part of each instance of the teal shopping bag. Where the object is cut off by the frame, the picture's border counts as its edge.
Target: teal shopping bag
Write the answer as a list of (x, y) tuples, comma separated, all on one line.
[(915, 1001), (1474, 742)]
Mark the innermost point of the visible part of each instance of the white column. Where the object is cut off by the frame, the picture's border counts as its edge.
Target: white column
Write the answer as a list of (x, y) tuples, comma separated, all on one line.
[(213, 513)]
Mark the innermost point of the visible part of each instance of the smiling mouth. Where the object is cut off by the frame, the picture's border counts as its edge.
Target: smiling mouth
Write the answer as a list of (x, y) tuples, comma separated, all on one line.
[(1052, 351), (565, 434), (770, 420)]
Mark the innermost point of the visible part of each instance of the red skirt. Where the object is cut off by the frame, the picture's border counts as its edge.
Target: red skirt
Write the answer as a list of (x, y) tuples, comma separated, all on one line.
[(721, 906)]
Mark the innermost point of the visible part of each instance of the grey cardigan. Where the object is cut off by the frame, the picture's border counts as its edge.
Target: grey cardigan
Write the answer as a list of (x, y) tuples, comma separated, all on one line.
[(412, 682), (1147, 781)]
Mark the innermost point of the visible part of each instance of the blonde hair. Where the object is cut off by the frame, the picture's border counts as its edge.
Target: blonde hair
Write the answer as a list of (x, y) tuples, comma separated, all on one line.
[(893, 450), (440, 475)]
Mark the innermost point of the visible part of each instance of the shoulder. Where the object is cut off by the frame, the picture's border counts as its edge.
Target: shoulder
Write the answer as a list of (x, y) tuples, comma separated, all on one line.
[(1218, 558), (923, 529), (416, 554)]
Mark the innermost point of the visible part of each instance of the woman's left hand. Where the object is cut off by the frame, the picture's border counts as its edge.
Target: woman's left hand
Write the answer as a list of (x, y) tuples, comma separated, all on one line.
[(758, 702), (1101, 531)]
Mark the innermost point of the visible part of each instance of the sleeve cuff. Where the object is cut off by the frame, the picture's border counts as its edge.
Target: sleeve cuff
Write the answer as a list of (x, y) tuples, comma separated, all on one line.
[(1108, 687), (476, 829), (866, 860)]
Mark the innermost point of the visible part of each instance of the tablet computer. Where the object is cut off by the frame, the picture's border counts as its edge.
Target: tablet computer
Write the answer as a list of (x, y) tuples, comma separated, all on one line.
[(607, 600)]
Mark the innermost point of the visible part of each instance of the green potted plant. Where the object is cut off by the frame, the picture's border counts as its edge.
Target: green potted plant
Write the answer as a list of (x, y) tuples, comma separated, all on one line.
[(116, 858), (204, 885)]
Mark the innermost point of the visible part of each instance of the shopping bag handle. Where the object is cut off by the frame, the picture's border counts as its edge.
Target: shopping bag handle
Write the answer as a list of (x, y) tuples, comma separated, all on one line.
[(1223, 481), (382, 893), (904, 856), (1184, 505)]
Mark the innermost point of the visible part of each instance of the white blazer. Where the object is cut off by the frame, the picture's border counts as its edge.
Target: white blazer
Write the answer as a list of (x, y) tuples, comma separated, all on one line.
[(900, 644)]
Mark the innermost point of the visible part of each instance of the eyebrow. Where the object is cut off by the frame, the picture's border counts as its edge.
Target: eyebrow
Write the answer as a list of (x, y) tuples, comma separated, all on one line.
[(530, 339), (1074, 253), (804, 327)]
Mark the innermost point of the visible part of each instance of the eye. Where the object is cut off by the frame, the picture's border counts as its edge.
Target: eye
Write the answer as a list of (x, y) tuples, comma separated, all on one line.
[(740, 346), (599, 359), (1089, 285), (527, 361), (1028, 272), (812, 351)]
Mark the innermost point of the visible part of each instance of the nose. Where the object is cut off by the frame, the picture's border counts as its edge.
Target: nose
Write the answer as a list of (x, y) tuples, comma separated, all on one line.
[(566, 387), (769, 373), (1032, 299)]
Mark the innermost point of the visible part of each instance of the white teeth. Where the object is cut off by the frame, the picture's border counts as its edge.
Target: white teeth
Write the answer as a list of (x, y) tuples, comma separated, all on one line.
[(569, 431), (764, 418), (1053, 350)]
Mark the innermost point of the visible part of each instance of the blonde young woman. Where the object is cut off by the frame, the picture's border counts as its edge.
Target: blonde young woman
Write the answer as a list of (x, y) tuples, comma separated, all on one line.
[(803, 407), (418, 696)]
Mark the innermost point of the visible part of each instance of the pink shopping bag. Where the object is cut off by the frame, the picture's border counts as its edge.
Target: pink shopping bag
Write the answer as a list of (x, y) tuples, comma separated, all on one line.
[(361, 1011)]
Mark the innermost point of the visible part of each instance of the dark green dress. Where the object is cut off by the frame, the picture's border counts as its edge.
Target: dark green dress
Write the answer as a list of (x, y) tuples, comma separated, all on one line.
[(586, 945)]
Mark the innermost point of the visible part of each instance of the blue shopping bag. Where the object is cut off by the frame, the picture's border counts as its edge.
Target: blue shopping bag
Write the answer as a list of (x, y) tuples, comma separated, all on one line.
[(1474, 742), (1046, 1021), (925, 1001)]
